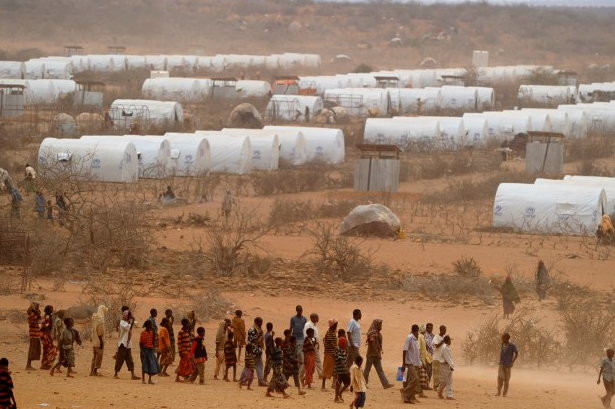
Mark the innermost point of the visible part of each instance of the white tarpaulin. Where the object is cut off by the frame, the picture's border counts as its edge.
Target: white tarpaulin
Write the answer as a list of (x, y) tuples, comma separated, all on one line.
[(321, 144), (413, 133), (12, 69), (452, 131), (175, 89), (567, 209), (190, 154), (95, 160), (229, 154), (265, 146), (153, 153)]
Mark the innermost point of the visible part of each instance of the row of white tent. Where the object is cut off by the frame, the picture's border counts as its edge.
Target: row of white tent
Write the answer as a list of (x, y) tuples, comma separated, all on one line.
[(548, 94), (198, 89), (58, 67), (587, 92), (477, 129), (417, 78), (126, 158), (572, 206), (43, 91)]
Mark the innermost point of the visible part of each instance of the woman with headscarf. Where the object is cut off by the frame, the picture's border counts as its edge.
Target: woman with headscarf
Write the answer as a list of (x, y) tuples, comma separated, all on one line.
[(509, 296), (543, 280), (50, 352), (34, 331), (330, 345), (98, 339), (184, 342), (374, 353), (164, 346)]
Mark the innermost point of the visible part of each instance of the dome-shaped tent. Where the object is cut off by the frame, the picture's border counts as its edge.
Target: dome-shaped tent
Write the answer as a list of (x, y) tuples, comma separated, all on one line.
[(190, 154), (503, 126), (558, 119), (321, 144), (252, 89), (573, 210), (107, 63), (12, 69), (477, 130), (608, 184), (90, 160), (412, 134), (415, 100), (452, 131), (265, 146), (124, 112), (361, 101), (459, 98), (175, 89), (229, 154)]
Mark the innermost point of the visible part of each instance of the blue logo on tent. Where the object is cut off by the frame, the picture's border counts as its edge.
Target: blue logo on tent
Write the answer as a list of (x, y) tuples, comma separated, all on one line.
[(188, 159), (96, 163), (498, 210), (256, 155), (530, 212)]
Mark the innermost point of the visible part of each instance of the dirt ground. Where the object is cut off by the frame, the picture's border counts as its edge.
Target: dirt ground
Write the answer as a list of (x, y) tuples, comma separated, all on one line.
[(474, 386)]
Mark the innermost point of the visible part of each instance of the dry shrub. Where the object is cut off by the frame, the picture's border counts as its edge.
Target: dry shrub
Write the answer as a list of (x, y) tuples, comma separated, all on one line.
[(308, 178), (337, 255), (537, 344), (467, 267), (231, 245), (454, 289), (590, 148), (209, 305), (285, 212), (439, 164)]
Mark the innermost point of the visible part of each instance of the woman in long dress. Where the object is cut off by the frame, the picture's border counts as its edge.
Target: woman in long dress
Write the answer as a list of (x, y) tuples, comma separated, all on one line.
[(50, 352), (509, 297)]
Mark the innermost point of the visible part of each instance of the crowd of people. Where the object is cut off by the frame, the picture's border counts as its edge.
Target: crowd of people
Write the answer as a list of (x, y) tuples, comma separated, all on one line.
[(301, 354)]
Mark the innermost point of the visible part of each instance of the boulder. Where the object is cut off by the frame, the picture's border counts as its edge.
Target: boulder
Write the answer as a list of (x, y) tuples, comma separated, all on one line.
[(245, 116), (371, 220), (65, 125), (90, 122)]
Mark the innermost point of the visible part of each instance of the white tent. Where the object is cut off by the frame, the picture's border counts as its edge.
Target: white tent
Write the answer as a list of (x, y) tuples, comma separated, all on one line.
[(414, 133), (320, 83), (297, 108), (485, 97), (587, 91), (540, 121), (321, 144), (459, 98), (601, 117), (40, 92), (81, 63), (252, 89), (608, 184), (107, 62), (156, 62), (502, 126), (574, 209), (190, 154), (452, 130), (361, 101), (91, 160), (124, 112), (415, 100), (12, 69), (153, 152), (559, 119), (265, 146), (579, 122), (477, 130), (229, 154), (134, 62), (545, 94), (175, 89)]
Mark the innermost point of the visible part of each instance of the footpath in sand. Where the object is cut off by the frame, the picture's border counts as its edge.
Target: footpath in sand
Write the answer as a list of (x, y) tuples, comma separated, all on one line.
[(474, 386)]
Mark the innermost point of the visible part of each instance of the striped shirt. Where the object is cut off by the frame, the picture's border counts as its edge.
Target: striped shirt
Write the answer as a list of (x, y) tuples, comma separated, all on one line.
[(147, 339), (34, 319), (183, 342), (250, 362), (330, 342), (340, 362), (6, 387), (229, 353)]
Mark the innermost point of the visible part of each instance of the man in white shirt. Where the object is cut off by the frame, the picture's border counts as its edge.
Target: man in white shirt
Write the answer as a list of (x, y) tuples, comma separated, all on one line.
[(312, 323), (410, 362), (447, 367), (124, 345), (353, 333), (437, 343)]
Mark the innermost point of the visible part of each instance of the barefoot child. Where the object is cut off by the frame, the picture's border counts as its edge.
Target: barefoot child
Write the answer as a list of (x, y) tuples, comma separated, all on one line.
[(186, 366), (309, 353), (247, 375), (199, 356), (291, 364), (149, 363), (165, 346), (278, 382), (229, 357), (341, 368), (357, 384), (67, 352)]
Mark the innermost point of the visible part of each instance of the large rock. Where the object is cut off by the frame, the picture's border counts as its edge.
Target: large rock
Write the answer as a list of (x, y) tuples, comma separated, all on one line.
[(371, 220), (245, 116)]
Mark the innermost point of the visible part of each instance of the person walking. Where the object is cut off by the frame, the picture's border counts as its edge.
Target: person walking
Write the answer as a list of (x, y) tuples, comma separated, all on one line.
[(447, 366), (425, 358), (313, 323), (607, 371), (239, 331), (168, 313), (16, 200), (198, 353), (34, 332), (184, 345), (509, 297), (508, 356), (221, 337), (437, 342), (411, 361), (124, 346), (342, 374), (40, 204), (278, 382), (353, 332), (147, 346), (297, 325), (357, 383), (67, 350), (330, 345), (164, 346), (429, 336), (543, 280), (98, 339), (230, 357), (153, 313), (50, 352), (374, 353), (255, 337), (269, 345)]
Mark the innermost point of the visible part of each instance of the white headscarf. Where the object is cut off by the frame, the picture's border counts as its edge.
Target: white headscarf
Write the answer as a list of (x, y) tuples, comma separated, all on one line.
[(98, 317)]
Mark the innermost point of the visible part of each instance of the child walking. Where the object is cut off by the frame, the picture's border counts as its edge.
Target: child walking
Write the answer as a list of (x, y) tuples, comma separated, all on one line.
[(278, 382), (229, 357), (309, 354), (342, 375), (247, 375), (357, 383), (149, 363), (199, 356)]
